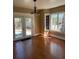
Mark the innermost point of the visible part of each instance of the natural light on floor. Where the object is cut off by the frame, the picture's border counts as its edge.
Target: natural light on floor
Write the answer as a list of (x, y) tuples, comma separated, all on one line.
[(45, 34)]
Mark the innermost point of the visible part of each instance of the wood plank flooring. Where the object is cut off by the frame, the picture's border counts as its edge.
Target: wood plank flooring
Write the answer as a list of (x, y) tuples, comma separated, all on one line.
[(39, 48)]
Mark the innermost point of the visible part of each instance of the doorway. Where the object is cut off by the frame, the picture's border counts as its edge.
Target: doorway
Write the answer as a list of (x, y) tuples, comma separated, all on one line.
[(22, 27)]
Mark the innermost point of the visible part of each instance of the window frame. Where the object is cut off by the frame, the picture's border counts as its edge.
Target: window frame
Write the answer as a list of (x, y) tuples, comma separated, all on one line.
[(23, 27)]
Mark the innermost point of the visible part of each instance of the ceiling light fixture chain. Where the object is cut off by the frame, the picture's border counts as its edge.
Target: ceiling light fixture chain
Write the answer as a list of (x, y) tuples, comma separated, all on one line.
[(34, 6)]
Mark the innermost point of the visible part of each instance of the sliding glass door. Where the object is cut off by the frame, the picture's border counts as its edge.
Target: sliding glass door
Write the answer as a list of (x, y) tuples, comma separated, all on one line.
[(18, 27), (28, 22), (22, 27)]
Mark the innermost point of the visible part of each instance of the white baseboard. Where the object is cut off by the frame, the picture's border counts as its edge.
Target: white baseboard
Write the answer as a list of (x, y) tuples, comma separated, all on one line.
[(36, 34), (58, 37), (21, 38), (26, 37)]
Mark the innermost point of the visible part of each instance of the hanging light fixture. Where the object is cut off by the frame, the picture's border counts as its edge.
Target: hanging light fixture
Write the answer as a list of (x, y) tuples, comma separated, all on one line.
[(34, 9), (34, 6)]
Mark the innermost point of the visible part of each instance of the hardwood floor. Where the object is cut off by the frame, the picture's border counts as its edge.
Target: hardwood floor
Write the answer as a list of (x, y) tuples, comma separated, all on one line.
[(39, 48)]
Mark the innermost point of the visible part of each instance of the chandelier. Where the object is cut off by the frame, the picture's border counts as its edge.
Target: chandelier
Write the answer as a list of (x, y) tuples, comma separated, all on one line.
[(34, 9), (34, 6)]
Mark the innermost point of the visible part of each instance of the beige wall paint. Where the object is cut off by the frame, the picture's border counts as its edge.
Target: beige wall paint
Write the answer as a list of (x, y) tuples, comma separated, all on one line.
[(42, 15), (35, 21), (22, 10), (41, 4), (38, 20), (57, 9), (41, 21)]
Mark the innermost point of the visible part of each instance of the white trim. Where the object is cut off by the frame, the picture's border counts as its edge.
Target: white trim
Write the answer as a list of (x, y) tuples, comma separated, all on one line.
[(23, 27), (26, 37), (57, 37), (57, 31), (22, 14), (20, 38), (36, 34)]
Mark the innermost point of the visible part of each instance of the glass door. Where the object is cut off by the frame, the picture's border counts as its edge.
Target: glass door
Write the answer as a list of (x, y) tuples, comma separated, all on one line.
[(28, 22), (22, 27), (18, 27)]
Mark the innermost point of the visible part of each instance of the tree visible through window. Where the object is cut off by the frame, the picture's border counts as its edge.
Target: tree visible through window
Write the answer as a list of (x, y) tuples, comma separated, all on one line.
[(28, 26), (18, 27), (23, 26), (57, 22)]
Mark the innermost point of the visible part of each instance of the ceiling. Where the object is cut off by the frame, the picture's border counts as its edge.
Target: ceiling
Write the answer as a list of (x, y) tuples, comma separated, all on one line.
[(41, 4)]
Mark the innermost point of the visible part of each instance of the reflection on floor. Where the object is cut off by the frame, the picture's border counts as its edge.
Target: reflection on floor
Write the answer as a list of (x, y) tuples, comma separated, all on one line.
[(39, 48)]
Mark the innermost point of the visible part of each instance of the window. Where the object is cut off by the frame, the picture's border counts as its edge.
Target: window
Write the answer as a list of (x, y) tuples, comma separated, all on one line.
[(18, 27), (23, 27), (57, 22), (47, 22), (53, 21), (28, 26), (61, 22)]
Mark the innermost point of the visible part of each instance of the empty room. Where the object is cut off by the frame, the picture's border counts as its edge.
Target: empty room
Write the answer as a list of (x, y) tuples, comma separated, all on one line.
[(38, 29)]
